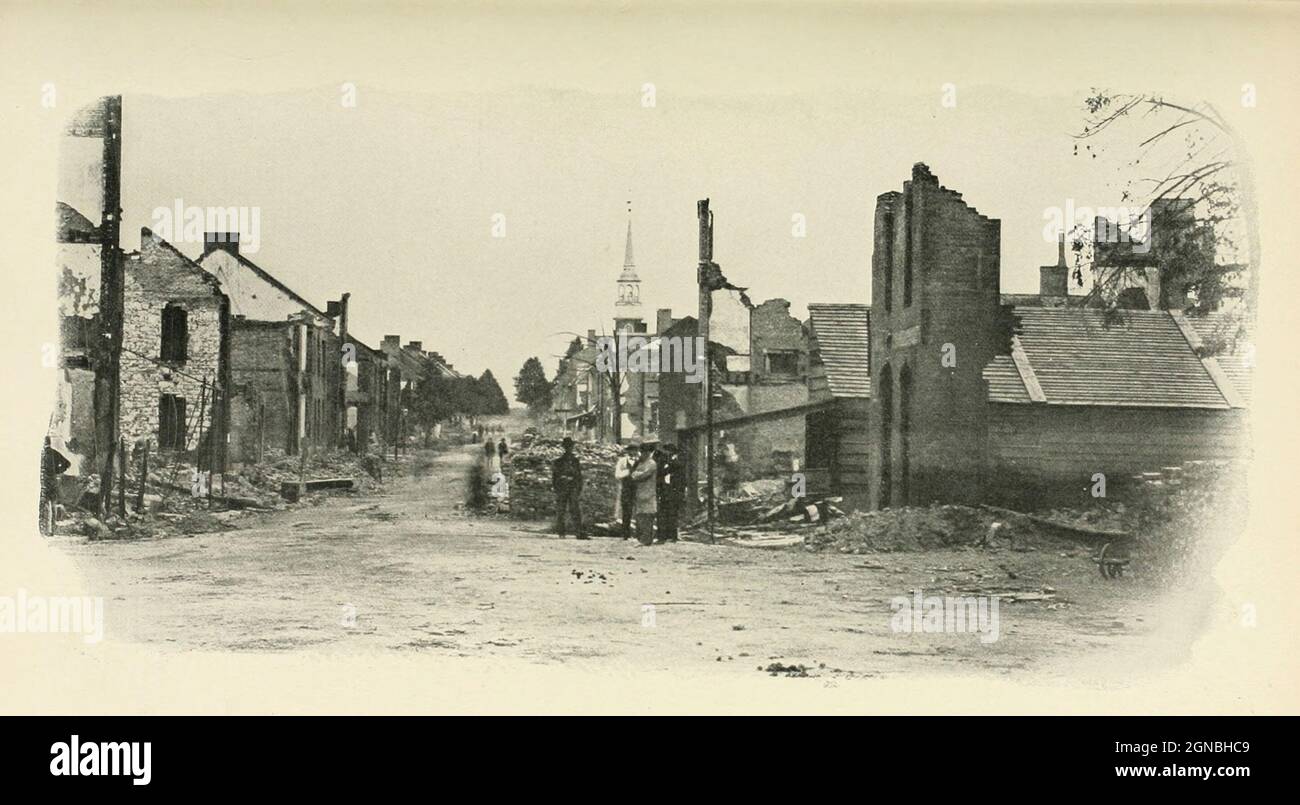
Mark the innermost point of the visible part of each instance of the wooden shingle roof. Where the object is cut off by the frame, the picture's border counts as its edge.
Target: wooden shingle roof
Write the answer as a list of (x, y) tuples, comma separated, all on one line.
[(843, 337), (1237, 363), (1077, 359)]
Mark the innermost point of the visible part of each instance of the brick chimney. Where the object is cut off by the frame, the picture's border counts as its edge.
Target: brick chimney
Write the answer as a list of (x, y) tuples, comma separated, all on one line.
[(225, 241), (338, 310), (1054, 281), (591, 337), (394, 341), (418, 346), (663, 319)]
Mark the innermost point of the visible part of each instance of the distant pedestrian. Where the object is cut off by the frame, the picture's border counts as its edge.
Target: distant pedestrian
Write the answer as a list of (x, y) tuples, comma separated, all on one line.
[(502, 450), (566, 481), (671, 491), (491, 461), (625, 503), (645, 474)]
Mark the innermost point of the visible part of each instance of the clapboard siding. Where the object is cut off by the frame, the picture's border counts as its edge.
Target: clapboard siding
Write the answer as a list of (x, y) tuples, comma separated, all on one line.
[(1077, 441), (853, 449)]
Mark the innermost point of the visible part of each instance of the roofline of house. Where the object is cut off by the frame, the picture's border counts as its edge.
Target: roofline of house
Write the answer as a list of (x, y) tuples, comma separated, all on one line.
[(266, 275)]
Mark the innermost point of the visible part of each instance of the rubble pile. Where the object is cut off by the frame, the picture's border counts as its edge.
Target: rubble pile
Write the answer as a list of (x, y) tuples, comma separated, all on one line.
[(172, 507), (914, 529), (261, 480), (529, 470)]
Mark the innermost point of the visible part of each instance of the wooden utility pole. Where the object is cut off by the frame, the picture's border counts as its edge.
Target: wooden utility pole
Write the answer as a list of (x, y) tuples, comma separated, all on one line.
[(704, 279), (106, 349)]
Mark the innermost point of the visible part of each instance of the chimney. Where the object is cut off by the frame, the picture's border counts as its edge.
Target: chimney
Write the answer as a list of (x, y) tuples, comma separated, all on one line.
[(393, 341), (1155, 297), (418, 346), (1054, 281), (225, 241), (342, 306), (591, 337), (663, 319)]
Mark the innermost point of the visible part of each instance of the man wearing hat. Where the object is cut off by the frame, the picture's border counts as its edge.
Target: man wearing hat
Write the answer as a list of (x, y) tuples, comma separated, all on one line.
[(646, 477), (625, 503), (566, 480), (672, 488)]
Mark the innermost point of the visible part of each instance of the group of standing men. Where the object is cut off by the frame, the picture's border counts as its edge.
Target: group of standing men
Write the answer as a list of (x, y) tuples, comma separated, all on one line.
[(652, 488)]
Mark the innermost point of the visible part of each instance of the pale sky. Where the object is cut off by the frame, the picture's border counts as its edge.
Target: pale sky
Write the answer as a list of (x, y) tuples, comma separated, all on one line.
[(393, 199)]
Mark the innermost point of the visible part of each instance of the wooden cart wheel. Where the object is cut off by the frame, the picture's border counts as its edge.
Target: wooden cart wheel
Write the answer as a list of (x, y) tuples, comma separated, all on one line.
[(1102, 566)]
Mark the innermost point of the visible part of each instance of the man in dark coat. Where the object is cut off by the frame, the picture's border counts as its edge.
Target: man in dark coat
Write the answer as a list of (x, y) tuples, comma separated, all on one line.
[(671, 489), (566, 480)]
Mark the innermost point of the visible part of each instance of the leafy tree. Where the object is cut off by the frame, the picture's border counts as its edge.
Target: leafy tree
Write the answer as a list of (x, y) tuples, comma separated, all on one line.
[(492, 398), (575, 346), (1187, 166), (531, 386)]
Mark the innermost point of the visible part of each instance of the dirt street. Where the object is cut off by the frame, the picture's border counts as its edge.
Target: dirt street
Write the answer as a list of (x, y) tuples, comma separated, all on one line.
[(406, 571)]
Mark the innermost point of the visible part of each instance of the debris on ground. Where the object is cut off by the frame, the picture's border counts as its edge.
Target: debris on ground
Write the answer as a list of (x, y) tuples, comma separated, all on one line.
[(528, 468), (177, 501), (919, 528)]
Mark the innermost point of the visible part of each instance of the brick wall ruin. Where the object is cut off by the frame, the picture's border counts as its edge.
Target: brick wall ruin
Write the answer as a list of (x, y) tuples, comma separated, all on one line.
[(156, 279)]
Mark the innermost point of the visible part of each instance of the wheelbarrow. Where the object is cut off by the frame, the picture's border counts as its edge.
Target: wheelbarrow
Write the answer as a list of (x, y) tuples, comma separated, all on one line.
[(1113, 558)]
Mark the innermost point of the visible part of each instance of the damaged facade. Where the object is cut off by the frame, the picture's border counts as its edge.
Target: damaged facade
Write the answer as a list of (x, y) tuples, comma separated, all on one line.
[(760, 362), (1025, 398), (286, 360), (946, 390), (84, 425), (175, 353)]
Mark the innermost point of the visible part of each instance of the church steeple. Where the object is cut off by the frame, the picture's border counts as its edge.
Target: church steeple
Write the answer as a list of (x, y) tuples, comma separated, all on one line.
[(629, 265), (627, 309)]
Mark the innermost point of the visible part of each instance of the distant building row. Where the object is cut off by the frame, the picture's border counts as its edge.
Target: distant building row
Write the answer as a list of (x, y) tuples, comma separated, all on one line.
[(213, 357)]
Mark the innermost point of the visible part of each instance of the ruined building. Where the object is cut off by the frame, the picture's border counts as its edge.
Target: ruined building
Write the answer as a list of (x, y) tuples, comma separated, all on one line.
[(286, 359), (175, 353), (935, 317), (83, 427), (837, 446), (1025, 398)]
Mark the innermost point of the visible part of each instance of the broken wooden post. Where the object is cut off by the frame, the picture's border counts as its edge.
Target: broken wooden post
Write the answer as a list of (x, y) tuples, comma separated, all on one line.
[(261, 427), (302, 467), (144, 476), (121, 478)]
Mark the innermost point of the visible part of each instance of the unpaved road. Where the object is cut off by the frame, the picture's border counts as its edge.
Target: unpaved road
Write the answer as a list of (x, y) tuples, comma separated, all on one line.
[(406, 572)]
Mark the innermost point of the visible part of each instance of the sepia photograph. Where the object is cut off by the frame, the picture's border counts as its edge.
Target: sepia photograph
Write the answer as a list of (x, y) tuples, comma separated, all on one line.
[(633, 358)]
